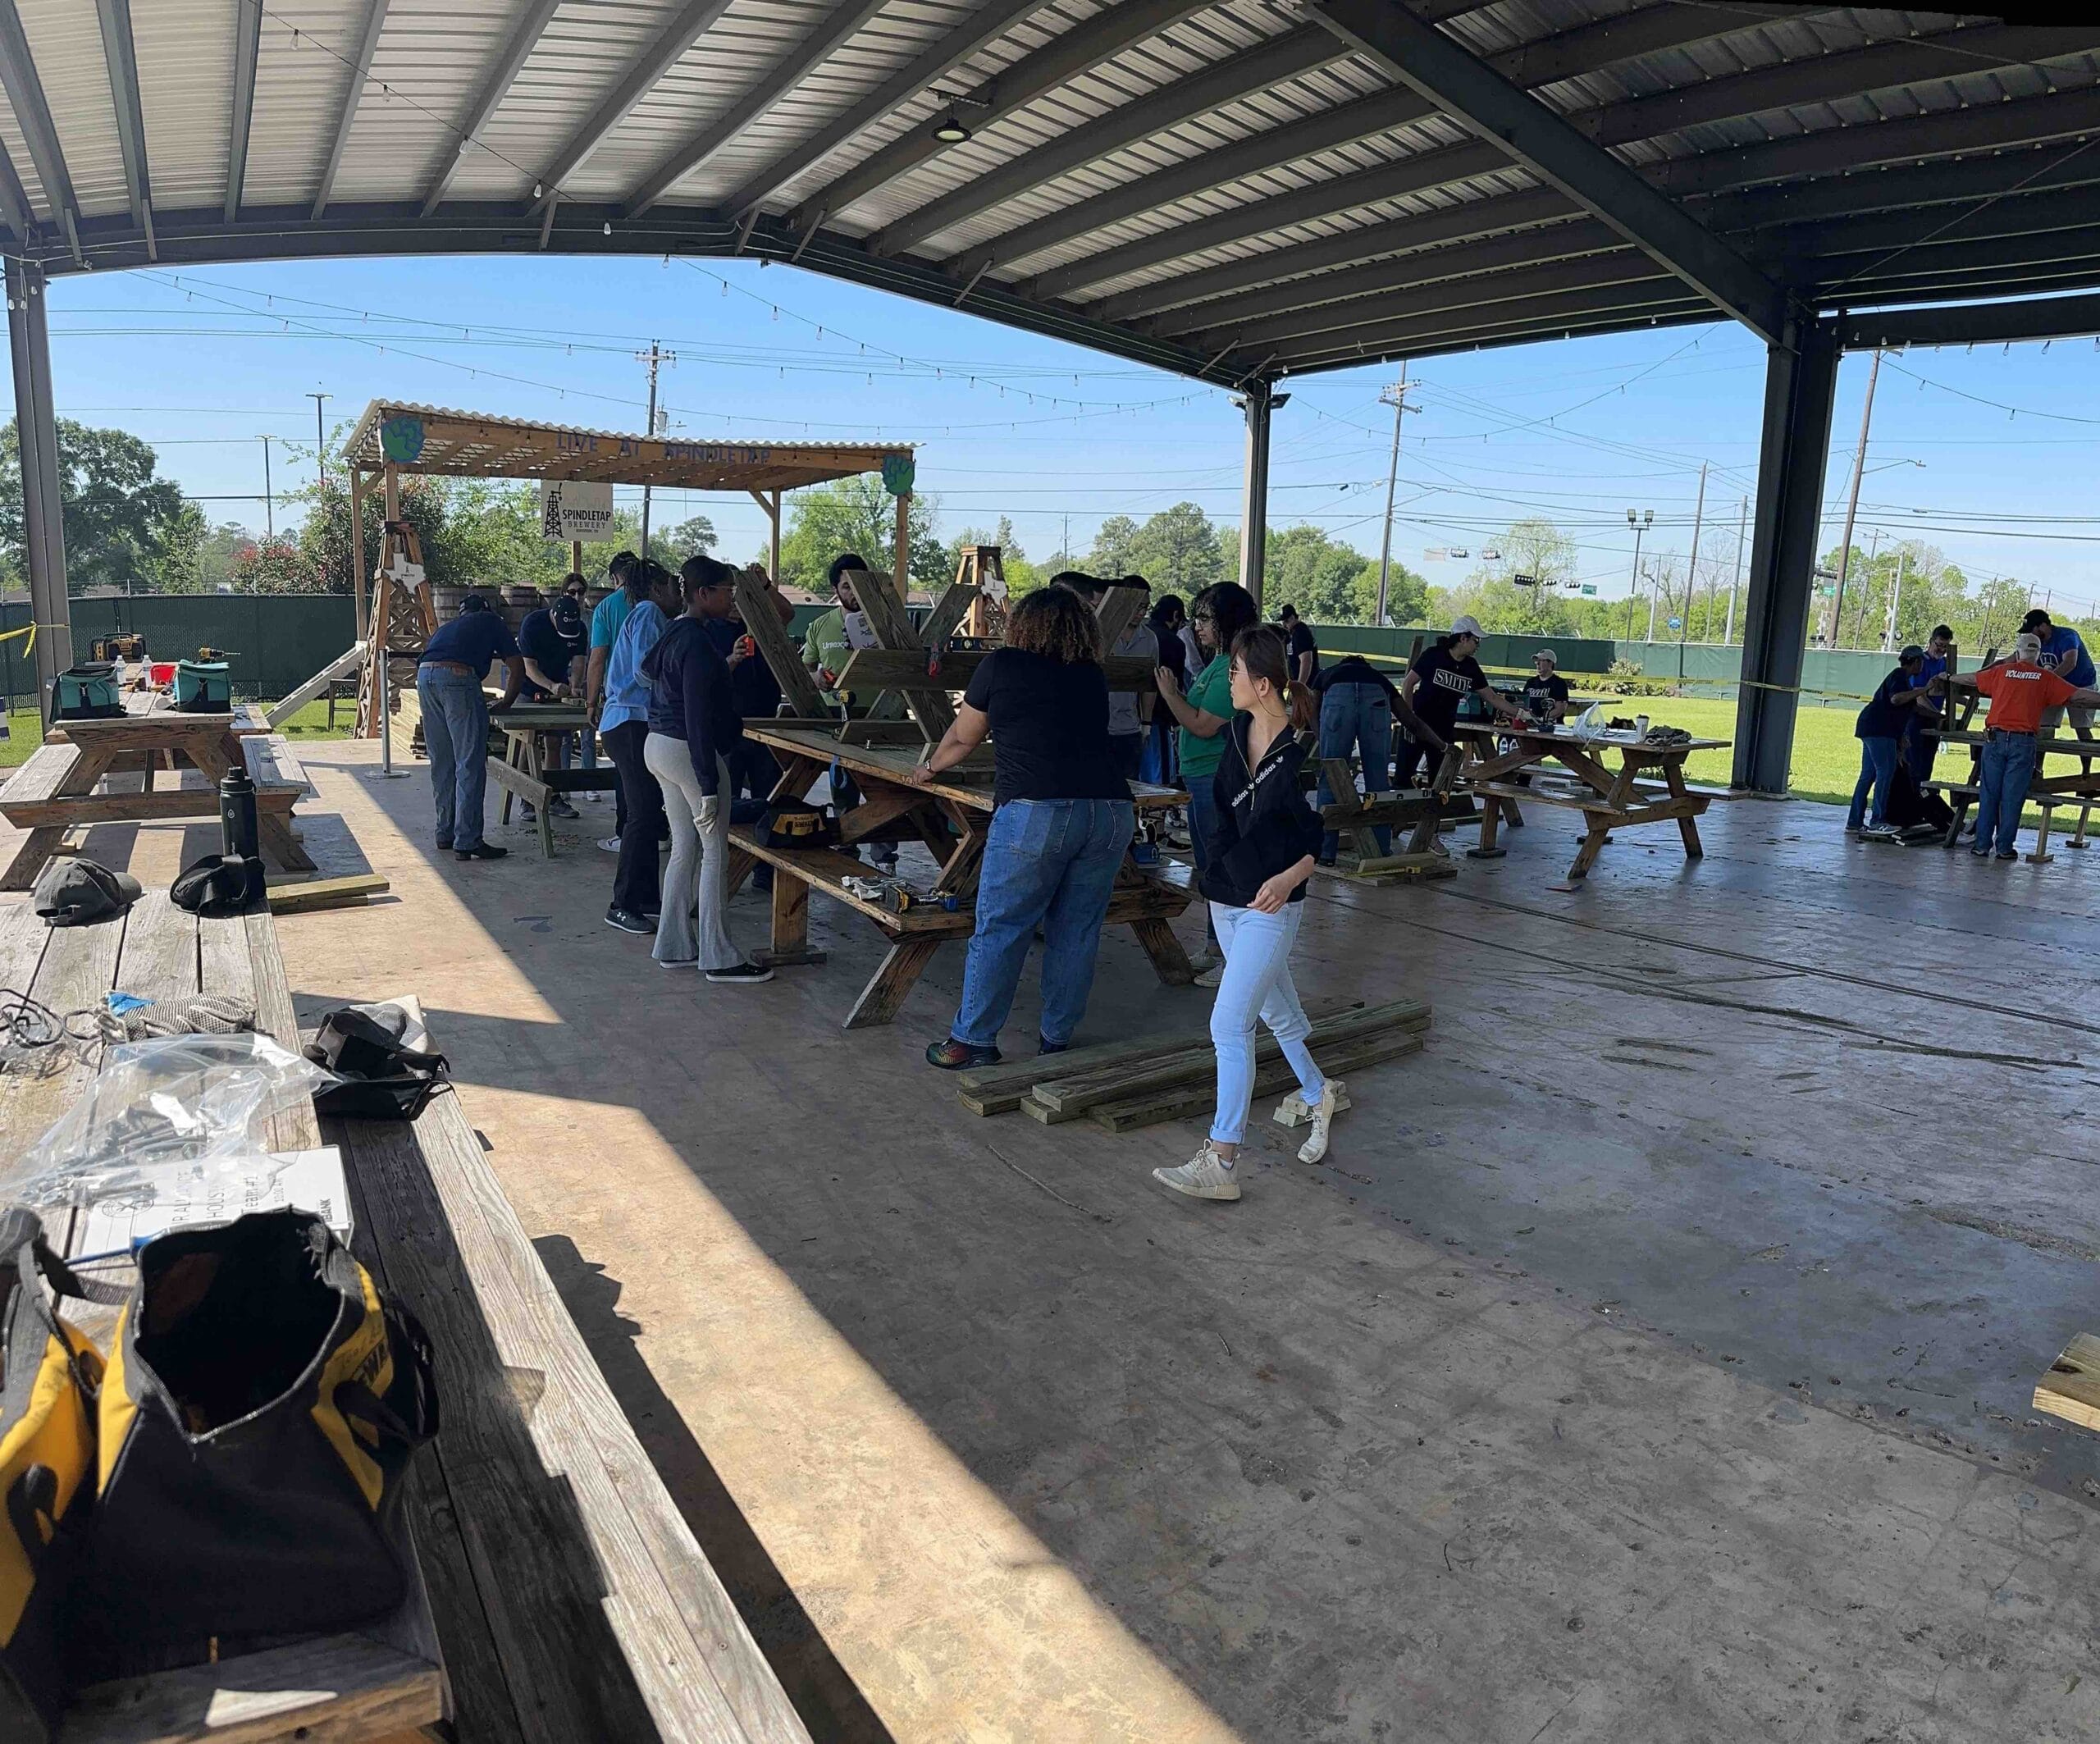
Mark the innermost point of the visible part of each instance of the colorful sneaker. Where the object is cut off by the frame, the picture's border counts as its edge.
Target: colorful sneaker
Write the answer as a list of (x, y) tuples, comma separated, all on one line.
[(952, 1056), (1334, 1097), (1205, 1176)]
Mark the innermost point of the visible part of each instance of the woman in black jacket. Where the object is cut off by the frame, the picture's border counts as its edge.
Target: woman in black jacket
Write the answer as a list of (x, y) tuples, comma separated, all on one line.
[(693, 728), (1261, 854)]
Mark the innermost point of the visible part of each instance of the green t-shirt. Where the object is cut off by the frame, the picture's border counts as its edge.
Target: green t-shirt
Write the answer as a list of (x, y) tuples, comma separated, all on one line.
[(1212, 693)]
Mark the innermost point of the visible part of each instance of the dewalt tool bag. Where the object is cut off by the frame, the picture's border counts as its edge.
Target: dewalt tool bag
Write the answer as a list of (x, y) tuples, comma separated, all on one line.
[(261, 1405), (48, 1371)]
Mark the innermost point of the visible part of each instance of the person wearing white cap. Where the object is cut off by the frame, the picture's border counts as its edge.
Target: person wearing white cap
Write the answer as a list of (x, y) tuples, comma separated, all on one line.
[(2020, 689), (1546, 691), (1444, 676)]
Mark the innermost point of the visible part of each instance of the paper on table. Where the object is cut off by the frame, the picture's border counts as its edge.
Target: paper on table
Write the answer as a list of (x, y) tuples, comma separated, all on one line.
[(311, 1180)]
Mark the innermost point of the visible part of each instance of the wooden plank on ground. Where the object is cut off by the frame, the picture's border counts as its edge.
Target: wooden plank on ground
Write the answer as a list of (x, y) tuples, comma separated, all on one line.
[(342, 666), (326, 893), (2071, 1388), (1172, 1105), (334, 1689)]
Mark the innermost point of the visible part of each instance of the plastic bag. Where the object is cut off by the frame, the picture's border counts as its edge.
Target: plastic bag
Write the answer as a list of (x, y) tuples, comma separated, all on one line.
[(177, 1109), (1590, 724)]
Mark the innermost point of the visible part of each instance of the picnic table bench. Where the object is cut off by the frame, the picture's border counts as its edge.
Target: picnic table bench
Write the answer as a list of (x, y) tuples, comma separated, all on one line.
[(54, 791), (556, 1593), (521, 772), (952, 814), (2047, 793)]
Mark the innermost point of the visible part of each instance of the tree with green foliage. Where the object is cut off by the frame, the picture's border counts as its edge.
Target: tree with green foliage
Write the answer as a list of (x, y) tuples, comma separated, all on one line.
[(1115, 549), (1177, 550), (857, 514), (125, 526)]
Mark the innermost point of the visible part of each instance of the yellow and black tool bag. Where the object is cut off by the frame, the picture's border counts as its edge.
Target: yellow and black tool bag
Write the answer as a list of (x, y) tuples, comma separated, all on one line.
[(48, 1371), (261, 1405)]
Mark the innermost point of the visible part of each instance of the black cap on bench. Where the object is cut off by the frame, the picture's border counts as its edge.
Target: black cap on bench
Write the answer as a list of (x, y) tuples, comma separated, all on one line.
[(78, 892)]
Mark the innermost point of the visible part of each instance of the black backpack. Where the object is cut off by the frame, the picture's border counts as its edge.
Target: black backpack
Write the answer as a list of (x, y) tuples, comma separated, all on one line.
[(383, 1078)]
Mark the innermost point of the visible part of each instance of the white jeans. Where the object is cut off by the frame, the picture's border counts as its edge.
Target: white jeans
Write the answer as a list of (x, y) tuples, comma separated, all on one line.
[(699, 868), (1256, 983)]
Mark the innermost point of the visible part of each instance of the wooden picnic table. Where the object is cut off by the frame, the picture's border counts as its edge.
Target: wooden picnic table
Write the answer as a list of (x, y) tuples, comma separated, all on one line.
[(2044, 792), (521, 772), (54, 790), (952, 815), (1607, 799), (555, 1590)]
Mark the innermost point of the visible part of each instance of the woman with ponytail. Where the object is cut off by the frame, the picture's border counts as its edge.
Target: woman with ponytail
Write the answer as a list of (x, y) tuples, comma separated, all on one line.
[(1261, 856)]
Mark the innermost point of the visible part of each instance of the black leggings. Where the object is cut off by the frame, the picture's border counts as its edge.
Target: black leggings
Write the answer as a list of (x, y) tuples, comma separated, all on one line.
[(635, 882)]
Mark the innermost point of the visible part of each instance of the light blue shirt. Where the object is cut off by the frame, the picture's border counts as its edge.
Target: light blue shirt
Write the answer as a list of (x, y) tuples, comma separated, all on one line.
[(626, 692)]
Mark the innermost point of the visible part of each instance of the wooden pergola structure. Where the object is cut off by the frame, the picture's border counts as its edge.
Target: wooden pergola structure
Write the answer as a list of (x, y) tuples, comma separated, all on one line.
[(394, 437)]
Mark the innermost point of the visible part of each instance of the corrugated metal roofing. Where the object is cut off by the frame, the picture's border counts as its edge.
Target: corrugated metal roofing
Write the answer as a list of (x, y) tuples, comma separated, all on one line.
[(1119, 185)]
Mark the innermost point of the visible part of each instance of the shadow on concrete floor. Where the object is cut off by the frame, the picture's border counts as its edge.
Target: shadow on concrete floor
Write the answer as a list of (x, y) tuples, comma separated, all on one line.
[(829, 1702)]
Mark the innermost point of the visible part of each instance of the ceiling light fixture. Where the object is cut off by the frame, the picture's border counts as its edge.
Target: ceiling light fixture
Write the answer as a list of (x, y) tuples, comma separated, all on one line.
[(950, 130)]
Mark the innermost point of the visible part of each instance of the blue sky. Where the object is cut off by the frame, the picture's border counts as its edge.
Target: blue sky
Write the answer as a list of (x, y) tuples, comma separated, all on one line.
[(202, 364)]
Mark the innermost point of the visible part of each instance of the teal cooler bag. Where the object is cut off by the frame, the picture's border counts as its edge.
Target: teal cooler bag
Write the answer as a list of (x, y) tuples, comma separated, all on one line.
[(202, 686), (87, 692)]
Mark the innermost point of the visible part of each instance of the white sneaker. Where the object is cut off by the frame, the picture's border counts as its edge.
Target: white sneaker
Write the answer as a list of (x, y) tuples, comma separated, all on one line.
[(1295, 1110), (1333, 1100), (1205, 1176), (1201, 960), (608, 844), (1211, 976)]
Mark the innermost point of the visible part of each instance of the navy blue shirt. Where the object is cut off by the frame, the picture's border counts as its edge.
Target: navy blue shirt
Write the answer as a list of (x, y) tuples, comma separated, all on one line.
[(689, 696), (1881, 718), (473, 639), (752, 685), (545, 648)]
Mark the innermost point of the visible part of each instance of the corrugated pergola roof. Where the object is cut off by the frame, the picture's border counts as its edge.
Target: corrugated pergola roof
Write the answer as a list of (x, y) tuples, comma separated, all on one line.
[(468, 445), (1232, 189)]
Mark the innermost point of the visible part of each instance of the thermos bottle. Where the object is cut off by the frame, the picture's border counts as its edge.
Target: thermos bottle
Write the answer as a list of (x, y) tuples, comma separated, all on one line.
[(237, 827)]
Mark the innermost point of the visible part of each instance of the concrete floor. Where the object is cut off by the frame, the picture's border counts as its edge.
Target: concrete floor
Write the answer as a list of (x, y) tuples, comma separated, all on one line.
[(1652, 1363)]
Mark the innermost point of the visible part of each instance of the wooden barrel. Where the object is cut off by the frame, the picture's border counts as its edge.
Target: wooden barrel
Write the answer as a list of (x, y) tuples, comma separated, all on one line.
[(446, 601)]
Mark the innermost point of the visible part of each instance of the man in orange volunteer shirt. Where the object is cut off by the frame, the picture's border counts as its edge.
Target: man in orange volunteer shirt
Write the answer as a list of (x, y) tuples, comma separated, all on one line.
[(2020, 689)]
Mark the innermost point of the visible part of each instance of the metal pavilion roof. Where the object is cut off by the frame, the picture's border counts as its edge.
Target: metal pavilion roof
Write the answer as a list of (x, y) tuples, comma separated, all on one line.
[(471, 445), (1232, 189)]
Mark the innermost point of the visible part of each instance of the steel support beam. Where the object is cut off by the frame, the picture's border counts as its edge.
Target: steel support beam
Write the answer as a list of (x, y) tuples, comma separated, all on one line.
[(1081, 49), (1973, 324), (1420, 348), (1321, 199), (1530, 66), (18, 77), (2015, 177), (1244, 75), (1259, 402), (977, 30), (247, 53), (1424, 59), (114, 16), (781, 82), (693, 21), (521, 36), (1826, 78), (1359, 295), (367, 45), (1537, 211), (1800, 384), (36, 428), (15, 200)]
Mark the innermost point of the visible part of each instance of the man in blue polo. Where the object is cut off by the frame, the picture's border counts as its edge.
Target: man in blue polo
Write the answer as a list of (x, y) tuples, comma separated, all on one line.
[(2063, 653), (456, 718)]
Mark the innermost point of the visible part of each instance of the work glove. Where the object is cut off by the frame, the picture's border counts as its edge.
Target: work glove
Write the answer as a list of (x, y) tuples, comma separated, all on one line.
[(710, 808)]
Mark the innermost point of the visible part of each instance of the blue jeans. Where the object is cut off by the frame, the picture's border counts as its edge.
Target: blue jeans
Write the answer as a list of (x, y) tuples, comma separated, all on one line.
[(1052, 863), (1877, 776), (2008, 767), (1155, 763), (456, 734), (1257, 983), (1203, 823), (1353, 716)]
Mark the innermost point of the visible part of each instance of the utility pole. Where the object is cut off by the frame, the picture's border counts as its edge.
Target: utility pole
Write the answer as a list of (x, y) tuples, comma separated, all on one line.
[(1743, 526), (1852, 507), (655, 356), (1692, 567), (269, 497), (1895, 599), (1639, 528), (1873, 556), (1396, 397)]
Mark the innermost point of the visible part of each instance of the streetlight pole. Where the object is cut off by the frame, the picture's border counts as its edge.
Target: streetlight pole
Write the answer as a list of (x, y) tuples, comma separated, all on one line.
[(1852, 507), (320, 436), (654, 356), (1396, 397), (1692, 569), (269, 496), (1742, 525)]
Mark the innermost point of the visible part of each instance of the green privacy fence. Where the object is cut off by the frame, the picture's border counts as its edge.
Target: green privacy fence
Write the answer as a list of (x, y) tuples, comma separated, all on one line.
[(1833, 678), (274, 643)]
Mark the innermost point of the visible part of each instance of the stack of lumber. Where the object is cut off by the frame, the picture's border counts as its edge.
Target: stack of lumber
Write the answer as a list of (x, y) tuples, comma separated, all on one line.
[(1120, 1086)]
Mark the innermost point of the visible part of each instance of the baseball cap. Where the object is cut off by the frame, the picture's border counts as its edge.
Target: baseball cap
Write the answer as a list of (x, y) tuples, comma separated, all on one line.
[(2027, 645), (1546, 653), (1911, 652), (1466, 627), (78, 892)]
